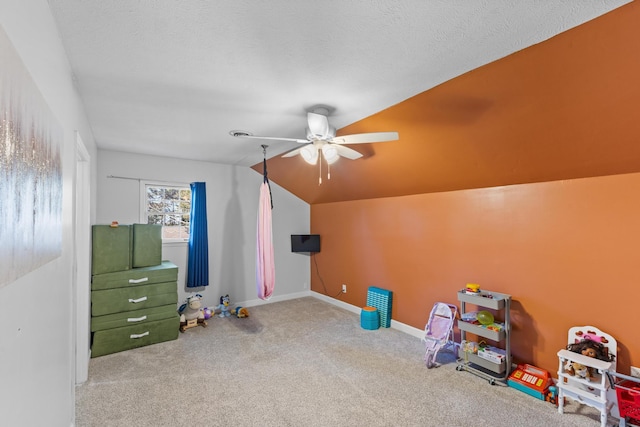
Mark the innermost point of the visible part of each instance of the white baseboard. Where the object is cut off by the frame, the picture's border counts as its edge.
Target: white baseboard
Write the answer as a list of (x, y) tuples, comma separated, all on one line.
[(414, 332), (256, 302), (410, 330), (336, 302)]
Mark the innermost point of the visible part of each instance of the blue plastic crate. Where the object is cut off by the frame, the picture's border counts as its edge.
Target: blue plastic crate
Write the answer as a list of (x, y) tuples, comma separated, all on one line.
[(382, 300)]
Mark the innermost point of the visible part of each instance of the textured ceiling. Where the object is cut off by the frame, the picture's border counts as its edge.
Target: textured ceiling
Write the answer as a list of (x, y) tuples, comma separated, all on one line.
[(172, 78)]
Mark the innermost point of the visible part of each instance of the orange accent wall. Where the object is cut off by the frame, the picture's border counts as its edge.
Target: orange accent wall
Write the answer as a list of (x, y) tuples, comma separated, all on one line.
[(567, 251), (522, 176), (565, 108)]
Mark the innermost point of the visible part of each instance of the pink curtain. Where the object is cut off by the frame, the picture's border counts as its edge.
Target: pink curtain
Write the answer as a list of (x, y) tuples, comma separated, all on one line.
[(265, 268)]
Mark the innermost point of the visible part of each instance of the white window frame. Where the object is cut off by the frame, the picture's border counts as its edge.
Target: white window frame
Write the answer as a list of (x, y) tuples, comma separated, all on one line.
[(143, 203)]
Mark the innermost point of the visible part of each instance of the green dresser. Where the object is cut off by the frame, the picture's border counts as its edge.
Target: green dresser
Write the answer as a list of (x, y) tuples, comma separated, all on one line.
[(111, 248), (131, 306), (119, 339), (146, 249), (121, 300), (166, 271)]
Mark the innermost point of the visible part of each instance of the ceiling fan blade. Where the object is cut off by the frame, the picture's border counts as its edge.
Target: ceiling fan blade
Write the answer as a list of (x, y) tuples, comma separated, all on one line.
[(347, 152), (363, 138), (292, 152), (318, 125), (272, 138)]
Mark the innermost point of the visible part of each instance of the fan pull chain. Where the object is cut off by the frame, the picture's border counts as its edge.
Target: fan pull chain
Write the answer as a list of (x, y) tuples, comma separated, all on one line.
[(320, 156)]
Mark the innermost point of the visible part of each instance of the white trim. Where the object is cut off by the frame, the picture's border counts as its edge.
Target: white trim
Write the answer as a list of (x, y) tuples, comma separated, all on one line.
[(143, 201), (336, 302), (175, 242), (414, 332), (82, 262), (410, 330), (256, 302)]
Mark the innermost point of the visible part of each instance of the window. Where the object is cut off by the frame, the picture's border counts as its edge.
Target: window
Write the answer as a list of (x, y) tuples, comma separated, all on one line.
[(169, 206)]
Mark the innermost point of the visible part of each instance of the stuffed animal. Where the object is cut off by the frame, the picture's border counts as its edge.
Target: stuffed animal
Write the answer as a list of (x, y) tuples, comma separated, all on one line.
[(579, 370), (190, 313), (240, 312), (224, 306), (590, 348), (208, 312)]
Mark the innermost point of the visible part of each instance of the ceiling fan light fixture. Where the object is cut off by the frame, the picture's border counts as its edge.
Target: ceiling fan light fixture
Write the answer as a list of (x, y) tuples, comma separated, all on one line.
[(310, 154), (330, 153)]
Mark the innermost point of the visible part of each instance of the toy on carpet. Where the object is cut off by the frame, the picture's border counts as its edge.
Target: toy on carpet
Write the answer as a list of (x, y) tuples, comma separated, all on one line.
[(224, 306), (240, 312), (208, 312), (191, 314), (590, 348)]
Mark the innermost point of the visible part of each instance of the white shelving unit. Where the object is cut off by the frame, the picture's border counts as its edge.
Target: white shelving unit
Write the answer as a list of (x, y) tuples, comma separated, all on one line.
[(472, 362)]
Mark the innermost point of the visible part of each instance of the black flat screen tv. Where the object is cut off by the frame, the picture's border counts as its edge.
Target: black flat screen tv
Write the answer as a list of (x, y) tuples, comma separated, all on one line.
[(305, 243)]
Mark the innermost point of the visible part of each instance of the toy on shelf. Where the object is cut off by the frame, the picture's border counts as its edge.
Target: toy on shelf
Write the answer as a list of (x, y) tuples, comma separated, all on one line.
[(590, 348), (224, 306), (191, 314), (469, 347), (492, 354), (472, 289), (482, 319), (485, 317)]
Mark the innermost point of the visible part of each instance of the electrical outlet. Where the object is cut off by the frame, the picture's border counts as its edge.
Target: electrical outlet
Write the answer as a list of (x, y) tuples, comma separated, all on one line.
[(344, 288), (635, 371)]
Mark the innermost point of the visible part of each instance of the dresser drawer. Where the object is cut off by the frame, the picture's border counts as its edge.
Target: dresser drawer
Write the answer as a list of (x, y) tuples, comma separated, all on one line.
[(165, 272), (120, 339), (137, 317), (134, 298)]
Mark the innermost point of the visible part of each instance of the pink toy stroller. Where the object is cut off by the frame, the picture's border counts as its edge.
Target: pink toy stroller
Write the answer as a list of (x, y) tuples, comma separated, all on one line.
[(439, 331)]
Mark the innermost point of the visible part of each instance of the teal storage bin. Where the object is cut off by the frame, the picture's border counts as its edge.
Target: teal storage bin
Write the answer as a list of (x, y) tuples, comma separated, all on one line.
[(369, 318)]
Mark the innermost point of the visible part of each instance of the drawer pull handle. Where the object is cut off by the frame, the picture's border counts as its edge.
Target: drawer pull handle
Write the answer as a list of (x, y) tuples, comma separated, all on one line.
[(136, 319), (135, 301), (144, 279), (136, 336)]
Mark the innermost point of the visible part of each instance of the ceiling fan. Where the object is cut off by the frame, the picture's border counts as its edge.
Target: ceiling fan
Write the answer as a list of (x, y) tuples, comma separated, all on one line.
[(322, 140)]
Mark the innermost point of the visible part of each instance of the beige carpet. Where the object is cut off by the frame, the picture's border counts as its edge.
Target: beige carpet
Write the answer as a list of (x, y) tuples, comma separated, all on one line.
[(302, 362)]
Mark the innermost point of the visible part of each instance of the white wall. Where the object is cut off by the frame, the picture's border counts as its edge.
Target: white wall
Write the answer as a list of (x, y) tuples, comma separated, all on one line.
[(232, 207), (37, 336)]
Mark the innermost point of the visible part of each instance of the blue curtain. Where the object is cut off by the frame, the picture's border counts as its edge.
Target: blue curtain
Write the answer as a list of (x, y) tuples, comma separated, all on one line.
[(198, 264)]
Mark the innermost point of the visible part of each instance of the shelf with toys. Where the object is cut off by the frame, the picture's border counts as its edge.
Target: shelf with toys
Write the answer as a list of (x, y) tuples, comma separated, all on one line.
[(490, 362)]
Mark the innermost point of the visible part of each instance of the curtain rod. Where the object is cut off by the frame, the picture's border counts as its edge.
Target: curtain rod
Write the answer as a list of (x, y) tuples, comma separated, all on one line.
[(144, 179)]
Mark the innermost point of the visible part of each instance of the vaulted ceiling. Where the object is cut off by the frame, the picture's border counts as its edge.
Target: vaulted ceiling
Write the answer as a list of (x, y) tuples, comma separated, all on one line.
[(482, 93), (563, 109)]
